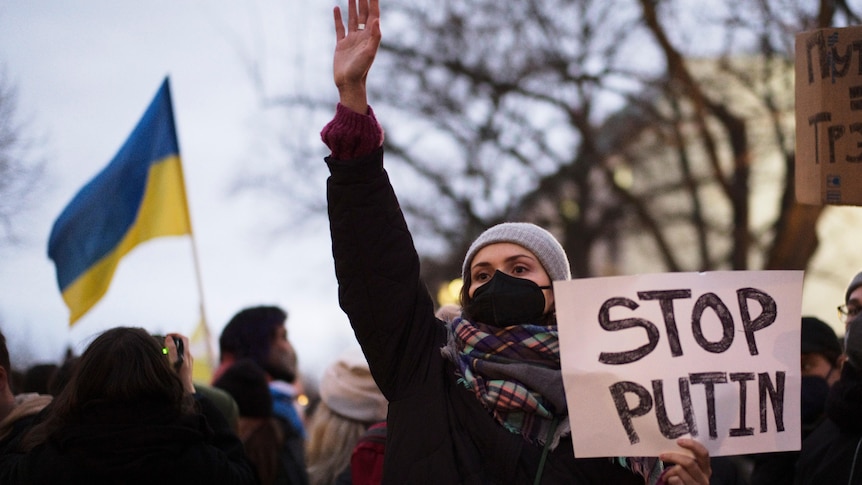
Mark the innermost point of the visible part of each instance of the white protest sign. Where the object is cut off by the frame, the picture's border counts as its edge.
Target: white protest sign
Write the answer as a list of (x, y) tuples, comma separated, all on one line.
[(712, 356)]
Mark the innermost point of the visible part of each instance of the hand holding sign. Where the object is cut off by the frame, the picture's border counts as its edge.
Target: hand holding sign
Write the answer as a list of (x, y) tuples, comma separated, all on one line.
[(693, 466)]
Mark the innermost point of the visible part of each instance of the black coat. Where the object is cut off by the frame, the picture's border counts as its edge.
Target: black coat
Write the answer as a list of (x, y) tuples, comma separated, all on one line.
[(828, 455), (439, 433), (142, 443), (832, 453)]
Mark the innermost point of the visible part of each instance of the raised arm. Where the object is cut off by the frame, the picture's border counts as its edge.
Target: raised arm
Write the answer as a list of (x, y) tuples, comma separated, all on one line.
[(379, 284), (355, 50)]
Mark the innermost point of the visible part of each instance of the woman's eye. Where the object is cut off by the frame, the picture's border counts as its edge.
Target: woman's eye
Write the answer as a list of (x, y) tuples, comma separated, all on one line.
[(519, 269), (481, 277)]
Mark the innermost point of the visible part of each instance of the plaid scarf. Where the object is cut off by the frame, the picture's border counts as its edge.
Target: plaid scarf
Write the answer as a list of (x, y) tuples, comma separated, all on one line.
[(515, 374), (496, 362)]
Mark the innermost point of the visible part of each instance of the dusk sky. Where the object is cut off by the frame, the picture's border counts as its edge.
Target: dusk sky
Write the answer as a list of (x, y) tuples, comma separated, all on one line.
[(84, 73)]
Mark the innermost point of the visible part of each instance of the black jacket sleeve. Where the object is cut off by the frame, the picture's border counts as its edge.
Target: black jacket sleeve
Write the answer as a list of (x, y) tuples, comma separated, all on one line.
[(377, 268)]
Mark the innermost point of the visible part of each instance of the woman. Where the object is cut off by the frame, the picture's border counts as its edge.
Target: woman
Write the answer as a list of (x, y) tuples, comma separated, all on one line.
[(350, 403), (128, 416), (458, 413)]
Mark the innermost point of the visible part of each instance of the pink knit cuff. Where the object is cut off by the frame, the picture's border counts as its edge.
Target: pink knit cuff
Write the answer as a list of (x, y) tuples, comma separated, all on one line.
[(352, 135)]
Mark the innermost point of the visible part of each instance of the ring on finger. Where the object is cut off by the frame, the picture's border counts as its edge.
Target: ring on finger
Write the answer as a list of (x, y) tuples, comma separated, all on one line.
[(360, 27)]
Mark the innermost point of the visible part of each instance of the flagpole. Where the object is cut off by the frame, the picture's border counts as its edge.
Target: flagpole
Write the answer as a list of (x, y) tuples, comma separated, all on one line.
[(196, 259), (204, 321), (199, 279)]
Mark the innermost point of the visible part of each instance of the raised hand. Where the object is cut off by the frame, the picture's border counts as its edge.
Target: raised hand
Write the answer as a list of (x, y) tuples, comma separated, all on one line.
[(355, 49)]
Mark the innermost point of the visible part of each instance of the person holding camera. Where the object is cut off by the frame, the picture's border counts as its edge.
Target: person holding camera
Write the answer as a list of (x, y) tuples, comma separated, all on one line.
[(129, 414)]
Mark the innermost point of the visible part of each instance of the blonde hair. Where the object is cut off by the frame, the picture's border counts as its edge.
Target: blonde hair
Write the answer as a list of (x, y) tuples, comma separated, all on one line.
[(330, 443)]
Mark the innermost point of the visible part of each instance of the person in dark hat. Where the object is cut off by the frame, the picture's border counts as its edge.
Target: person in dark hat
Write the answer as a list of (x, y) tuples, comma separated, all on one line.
[(821, 359), (821, 350), (258, 430)]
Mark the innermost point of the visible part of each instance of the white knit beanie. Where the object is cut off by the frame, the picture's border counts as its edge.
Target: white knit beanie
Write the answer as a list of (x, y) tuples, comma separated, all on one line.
[(348, 389), (530, 236)]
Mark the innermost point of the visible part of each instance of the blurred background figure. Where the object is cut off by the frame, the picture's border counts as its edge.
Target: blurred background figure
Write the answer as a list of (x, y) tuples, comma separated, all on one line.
[(831, 453), (63, 373), (129, 414), (350, 403), (260, 334), (222, 401), (17, 411), (821, 358), (448, 312), (852, 299), (38, 377), (260, 433)]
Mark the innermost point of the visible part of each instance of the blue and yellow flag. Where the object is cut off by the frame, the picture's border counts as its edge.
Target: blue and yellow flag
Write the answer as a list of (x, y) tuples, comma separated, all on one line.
[(140, 195)]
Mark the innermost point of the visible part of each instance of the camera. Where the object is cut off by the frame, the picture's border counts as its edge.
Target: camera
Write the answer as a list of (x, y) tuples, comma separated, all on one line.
[(178, 342)]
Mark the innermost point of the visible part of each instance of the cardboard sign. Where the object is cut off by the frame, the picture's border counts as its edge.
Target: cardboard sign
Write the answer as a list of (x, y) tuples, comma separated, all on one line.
[(829, 116), (711, 356)]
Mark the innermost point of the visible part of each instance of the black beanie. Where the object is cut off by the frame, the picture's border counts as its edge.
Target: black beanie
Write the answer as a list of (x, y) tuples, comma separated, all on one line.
[(856, 282), (819, 338), (246, 382)]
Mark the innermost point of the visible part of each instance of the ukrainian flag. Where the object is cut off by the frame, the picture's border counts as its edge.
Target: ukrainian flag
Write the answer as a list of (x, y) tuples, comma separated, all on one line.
[(140, 195)]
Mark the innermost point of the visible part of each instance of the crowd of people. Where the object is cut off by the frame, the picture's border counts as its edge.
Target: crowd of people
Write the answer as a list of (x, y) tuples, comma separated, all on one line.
[(123, 412), (465, 394), (127, 410)]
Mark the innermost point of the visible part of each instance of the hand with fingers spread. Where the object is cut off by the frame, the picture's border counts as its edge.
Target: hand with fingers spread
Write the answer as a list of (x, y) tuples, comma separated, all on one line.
[(355, 49), (687, 468)]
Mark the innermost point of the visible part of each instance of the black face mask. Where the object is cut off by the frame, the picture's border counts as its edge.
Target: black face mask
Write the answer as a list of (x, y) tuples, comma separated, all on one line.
[(506, 300), (815, 389)]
